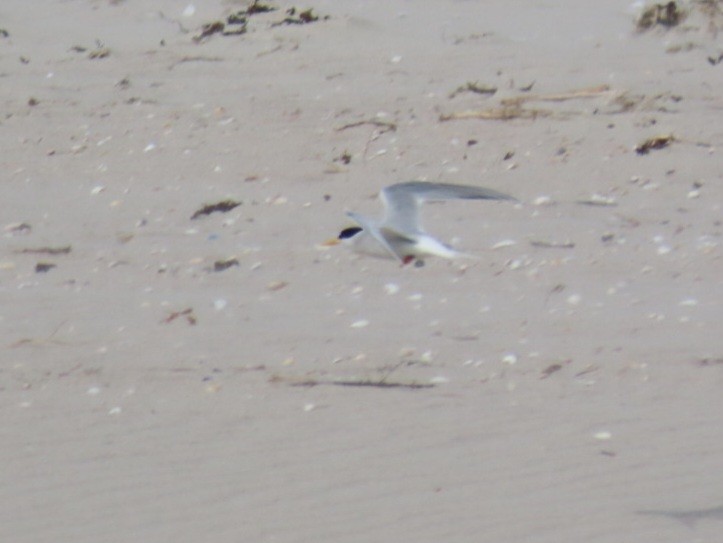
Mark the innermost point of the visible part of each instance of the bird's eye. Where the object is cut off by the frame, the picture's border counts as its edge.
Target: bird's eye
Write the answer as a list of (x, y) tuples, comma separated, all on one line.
[(349, 232)]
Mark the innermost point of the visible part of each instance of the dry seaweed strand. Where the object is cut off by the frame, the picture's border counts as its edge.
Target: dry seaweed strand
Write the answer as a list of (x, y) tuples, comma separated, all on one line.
[(475, 88), (223, 206), (385, 125), (352, 383), (497, 114), (667, 15), (586, 92), (654, 143), (64, 250), (512, 108), (221, 265), (188, 313)]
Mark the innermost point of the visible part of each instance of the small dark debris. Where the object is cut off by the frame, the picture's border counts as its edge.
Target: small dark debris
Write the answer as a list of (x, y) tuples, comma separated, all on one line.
[(45, 250), (657, 142), (344, 158), (235, 31), (552, 244), (237, 19), (597, 202), (221, 265), (188, 313), (24, 60), (358, 384), (4, 33), (78, 49), (235, 24), (124, 83), (209, 29), (327, 197), (307, 16), (474, 87), (43, 267), (21, 228), (303, 17), (385, 126), (223, 206), (508, 155), (32, 102), (472, 142), (383, 384), (705, 362), (258, 7), (549, 370), (99, 53), (667, 15), (714, 61), (527, 88)]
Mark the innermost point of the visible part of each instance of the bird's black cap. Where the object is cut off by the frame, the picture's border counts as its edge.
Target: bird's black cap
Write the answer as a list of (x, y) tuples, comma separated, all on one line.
[(349, 232)]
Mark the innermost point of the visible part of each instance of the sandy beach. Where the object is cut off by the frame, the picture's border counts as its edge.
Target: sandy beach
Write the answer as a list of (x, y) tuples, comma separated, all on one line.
[(184, 360)]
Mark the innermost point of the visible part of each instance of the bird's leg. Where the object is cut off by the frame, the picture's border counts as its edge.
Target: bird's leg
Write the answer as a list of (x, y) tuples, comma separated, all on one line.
[(418, 262)]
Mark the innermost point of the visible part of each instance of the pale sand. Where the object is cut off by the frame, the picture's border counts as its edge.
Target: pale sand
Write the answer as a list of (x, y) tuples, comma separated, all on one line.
[(576, 387)]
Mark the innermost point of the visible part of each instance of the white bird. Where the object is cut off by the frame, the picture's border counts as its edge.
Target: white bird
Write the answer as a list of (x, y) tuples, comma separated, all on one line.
[(398, 234)]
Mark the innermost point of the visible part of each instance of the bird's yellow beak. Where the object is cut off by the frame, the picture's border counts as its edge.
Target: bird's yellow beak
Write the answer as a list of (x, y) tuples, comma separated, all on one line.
[(330, 242)]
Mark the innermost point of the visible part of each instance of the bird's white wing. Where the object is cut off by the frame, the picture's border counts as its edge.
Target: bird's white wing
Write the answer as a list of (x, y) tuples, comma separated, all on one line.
[(402, 201), (373, 230)]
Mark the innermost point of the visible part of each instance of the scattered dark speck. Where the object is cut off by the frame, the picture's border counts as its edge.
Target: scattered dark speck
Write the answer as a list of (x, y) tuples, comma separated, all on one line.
[(43, 267), (222, 206), (221, 265)]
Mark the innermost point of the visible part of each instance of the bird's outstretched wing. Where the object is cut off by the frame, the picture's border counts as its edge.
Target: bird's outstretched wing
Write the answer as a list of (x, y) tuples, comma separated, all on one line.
[(402, 201), (371, 229)]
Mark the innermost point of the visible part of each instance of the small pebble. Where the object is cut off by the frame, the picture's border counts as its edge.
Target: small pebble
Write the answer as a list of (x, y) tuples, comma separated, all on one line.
[(543, 200), (276, 285), (510, 359), (391, 288), (574, 299), (504, 243)]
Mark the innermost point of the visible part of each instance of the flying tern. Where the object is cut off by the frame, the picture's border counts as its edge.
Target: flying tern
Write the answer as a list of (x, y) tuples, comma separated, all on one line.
[(398, 234)]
